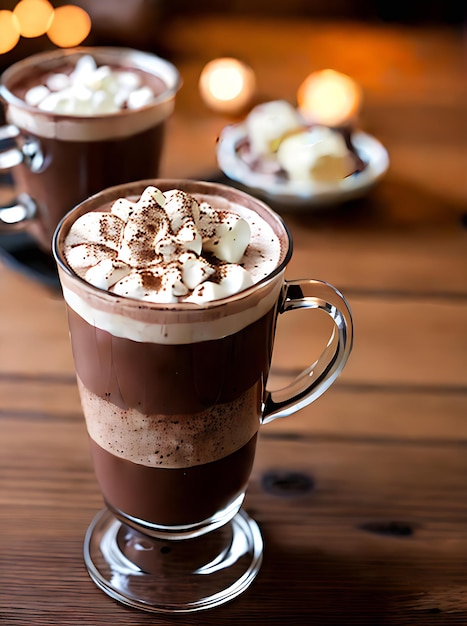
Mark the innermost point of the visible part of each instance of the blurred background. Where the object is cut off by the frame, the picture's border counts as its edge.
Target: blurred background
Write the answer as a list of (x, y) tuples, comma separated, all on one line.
[(143, 23)]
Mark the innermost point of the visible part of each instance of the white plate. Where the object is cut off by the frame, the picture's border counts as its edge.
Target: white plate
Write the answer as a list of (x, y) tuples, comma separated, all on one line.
[(302, 193)]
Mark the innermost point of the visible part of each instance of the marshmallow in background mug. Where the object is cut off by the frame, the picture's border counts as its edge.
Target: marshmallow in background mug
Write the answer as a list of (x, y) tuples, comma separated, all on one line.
[(90, 90)]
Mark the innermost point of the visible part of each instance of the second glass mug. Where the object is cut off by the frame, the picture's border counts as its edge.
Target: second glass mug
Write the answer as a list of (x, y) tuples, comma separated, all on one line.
[(173, 396), (58, 159)]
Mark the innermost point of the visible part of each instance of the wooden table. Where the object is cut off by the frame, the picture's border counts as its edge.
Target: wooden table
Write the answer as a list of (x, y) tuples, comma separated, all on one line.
[(361, 497)]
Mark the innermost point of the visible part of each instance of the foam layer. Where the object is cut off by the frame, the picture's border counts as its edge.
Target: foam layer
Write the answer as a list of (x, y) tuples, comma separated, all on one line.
[(171, 441), (196, 326)]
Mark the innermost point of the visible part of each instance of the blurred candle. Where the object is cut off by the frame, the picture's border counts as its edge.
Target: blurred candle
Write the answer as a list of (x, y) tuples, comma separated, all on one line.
[(227, 85), (330, 98), (69, 27), (9, 31), (34, 17)]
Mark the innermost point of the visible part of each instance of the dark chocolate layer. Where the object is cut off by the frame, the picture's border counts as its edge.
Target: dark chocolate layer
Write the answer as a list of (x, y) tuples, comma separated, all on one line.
[(172, 496), (171, 379)]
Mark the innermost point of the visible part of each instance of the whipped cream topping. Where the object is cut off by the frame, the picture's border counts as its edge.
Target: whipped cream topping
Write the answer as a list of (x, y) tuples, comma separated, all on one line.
[(90, 90), (169, 247)]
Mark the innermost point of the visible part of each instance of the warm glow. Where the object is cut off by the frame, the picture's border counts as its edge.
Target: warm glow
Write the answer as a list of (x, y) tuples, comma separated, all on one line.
[(34, 17), (9, 31), (70, 26), (227, 85), (329, 98)]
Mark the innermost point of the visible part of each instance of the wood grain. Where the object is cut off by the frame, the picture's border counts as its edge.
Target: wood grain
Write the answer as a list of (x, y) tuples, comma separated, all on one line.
[(361, 497)]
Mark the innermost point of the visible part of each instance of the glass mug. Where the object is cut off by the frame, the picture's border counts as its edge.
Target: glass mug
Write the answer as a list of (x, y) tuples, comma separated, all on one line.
[(58, 160), (173, 396)]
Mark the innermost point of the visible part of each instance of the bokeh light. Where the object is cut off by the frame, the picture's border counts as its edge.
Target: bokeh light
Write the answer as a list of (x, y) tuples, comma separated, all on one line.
[(227, 85), (70, 26), (9, 31), (34, 17), (330, 98)]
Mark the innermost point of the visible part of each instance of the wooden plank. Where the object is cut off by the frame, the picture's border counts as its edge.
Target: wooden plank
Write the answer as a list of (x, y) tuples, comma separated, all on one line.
[(389, 542), (397, 342)]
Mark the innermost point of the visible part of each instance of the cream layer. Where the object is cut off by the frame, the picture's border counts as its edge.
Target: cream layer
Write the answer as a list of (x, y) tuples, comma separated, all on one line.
[(182, 332), (171, 441)]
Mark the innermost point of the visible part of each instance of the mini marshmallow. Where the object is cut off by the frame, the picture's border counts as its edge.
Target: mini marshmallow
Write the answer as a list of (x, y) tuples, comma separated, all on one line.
[(152, 249), (180, 208), (84, 256), (235, 279), (55, 103), (183, 213), (83, 70), (102, 102), (151, 195), (128, 80), (145, 226), (35, 95), (227, 238), (58, 82), (101, 228), (139, 98), (106, 273), (90, 90), (195, 270), (98, 78), (123, 208)]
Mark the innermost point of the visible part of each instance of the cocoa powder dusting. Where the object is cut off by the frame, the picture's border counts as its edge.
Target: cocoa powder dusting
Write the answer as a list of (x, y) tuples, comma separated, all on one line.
[(150, 281)]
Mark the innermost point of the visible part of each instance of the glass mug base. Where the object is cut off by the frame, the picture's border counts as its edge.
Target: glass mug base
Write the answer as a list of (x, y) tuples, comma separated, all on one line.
[(179, 532), (159, 575)]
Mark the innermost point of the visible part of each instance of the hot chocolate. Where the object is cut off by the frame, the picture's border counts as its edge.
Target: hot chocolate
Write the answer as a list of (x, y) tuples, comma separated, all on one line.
[(173, 291), (172, 403), (89, 119)]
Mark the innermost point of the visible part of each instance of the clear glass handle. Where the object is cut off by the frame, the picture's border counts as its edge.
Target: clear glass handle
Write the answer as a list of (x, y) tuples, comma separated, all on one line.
[(313, 381), (22, 208)]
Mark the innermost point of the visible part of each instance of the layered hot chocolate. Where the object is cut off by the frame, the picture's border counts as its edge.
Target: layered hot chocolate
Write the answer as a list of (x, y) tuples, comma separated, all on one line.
[(171, 380)]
